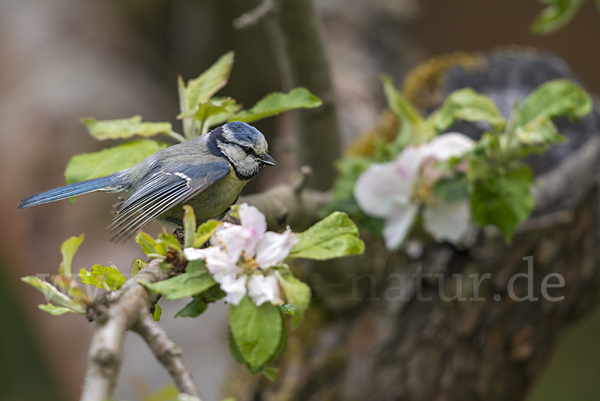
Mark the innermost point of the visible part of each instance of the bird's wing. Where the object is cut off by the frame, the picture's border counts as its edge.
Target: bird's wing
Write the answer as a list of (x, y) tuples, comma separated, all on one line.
[(161, 192)]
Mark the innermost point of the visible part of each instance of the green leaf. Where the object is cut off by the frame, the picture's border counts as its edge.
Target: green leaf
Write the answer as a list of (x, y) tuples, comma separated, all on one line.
[(147, 243), (157, 313), (256, 330), (233, 348), (201, 89), (108, 161), (540, 131), (269, 372), (333, 237), (297, 294), (193, 309), (136, 266), (553, 99), (276, 103), (555, 16), (52, 294), (55, 310), (124, 128), (105, 277), (165, 393), (411, 121), (503, 200), (166, 241), (205, 231), (451, 189), (183, 285), (213, 111), (68, 249), (466, 104), (189, 226), (195, 266)]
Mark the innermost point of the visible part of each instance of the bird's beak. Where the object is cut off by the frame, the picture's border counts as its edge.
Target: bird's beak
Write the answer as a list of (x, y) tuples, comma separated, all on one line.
[(267, 159)]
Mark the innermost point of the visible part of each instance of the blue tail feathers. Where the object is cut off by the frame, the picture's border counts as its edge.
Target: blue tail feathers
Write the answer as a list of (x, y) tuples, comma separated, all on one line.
[(67, 191)]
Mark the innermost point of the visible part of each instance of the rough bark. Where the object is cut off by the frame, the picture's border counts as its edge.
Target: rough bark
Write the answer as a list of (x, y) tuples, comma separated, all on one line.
[(370, 336)]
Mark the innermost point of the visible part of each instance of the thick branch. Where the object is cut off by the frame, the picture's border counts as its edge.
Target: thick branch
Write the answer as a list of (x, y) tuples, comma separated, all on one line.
[(168, 354), (304, 63), (113, 322)]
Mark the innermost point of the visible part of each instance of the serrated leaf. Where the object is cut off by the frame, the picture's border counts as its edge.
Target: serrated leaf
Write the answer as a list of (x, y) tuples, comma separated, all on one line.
[(105, 277), (503, 200), (183, 285), (256, 330), (555, 98), (136, 266), (55, 310), (205, 231), (52, 294), (68, 250), (555, 16), (540, 131), (124, 128), (233, 348), (147, 243), (466, 104), (201, 89), (451, 189), (275, 103), (297, 294), (157, 313), (108, 161), (333, 237)]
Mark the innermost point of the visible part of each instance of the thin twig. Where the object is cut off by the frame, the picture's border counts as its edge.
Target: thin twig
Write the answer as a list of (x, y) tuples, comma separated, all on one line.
[(254, 16), (106, 350), (168, 354)]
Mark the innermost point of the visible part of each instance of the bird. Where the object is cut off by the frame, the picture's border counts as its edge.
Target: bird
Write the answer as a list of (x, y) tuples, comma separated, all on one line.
[(207, 172)]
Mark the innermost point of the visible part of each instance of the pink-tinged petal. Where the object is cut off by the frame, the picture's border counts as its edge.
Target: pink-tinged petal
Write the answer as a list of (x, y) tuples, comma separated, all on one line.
[(379, 188), (409, 162), (255, 222), (274, 248), (447, 221), (398, 224), (234, 239), (263, 289), (235, 288), (452, 144), (218, 262)]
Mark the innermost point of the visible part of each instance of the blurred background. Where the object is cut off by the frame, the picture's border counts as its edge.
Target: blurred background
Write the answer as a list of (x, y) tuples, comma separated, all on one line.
[(61, 60)]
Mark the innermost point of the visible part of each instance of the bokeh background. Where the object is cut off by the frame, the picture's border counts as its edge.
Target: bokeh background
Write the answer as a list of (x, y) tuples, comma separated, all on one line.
[(61, 60)]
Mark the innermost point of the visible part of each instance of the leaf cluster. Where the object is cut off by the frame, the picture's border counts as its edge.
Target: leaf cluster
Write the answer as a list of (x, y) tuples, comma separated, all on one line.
[(257, 334), (496, 182), (200, 111)]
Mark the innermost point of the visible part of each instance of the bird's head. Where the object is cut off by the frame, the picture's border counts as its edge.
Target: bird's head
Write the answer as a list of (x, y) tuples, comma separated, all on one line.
[(245, 148)]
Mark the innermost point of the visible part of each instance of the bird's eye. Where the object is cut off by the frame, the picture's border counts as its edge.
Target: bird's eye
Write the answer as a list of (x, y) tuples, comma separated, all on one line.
[(248, 150)]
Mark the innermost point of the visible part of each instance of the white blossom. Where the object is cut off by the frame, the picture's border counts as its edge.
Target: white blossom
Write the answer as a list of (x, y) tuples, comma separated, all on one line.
[(396, 191), (240, 257)]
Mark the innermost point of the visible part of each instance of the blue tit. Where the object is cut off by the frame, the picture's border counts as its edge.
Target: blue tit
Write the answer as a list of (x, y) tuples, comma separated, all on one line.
[(207, 173)]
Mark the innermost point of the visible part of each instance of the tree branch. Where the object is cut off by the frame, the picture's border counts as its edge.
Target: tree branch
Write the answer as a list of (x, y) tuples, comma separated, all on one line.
[(254, 16), (304, 63), (113, 321), (168, 354)]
